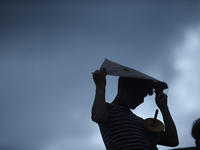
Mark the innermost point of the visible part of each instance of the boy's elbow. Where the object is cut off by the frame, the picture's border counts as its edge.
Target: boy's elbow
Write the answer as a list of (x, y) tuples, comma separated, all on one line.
[(174, 143)]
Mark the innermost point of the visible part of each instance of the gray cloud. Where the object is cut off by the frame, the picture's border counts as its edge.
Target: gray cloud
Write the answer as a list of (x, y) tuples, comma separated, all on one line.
[(49, 49)]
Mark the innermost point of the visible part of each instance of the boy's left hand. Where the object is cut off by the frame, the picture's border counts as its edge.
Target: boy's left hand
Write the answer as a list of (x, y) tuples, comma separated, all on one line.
[(161, 100)]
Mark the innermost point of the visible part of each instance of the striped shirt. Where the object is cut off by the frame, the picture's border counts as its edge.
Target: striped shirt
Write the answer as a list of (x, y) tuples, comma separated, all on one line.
[(123, 130)]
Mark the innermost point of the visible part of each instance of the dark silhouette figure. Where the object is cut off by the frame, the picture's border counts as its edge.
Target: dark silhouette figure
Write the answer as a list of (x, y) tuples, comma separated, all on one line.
[(196, 132), (119, 126)]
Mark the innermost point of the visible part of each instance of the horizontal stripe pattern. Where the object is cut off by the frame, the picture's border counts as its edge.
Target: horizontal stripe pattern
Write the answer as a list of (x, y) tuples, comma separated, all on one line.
[(123, 130)]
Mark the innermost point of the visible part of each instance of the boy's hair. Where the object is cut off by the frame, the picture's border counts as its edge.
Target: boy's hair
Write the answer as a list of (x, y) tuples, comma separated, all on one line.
[(130, 82), (196, 129)]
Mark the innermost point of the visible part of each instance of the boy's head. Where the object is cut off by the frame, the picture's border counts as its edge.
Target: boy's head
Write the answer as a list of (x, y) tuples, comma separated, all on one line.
[(135, 84), (196, 132), (133, 91)]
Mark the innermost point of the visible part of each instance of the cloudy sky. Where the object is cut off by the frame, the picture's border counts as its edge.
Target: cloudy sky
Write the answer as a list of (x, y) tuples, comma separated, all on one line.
[(48, 50)]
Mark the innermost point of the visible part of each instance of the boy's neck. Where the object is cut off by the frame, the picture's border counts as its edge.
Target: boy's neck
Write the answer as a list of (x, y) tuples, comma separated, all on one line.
[(118, 100)]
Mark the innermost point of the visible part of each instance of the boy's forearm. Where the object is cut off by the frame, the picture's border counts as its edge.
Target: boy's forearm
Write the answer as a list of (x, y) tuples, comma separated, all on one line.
[(170, 128), (99, 108)]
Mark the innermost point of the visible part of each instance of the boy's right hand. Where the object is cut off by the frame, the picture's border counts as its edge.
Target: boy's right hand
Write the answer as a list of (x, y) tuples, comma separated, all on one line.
[(99, 77)]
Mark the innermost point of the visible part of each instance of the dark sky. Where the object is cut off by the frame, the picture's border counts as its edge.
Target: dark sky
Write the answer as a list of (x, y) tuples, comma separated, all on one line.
[(48, 50)]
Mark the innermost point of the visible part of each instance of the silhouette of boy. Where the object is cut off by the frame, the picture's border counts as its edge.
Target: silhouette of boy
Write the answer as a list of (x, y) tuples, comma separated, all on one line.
[(196, 132), (120, 128)]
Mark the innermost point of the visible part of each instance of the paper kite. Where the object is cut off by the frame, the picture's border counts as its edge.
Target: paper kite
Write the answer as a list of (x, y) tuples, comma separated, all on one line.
[(116, 69)]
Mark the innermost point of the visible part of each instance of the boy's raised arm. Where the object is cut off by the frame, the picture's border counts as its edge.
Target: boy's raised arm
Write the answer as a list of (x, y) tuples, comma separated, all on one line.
[(169, 137), (99, 108)]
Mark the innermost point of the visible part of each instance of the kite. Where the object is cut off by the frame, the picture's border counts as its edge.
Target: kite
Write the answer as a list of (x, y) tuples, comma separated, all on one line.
[(116, 69)]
